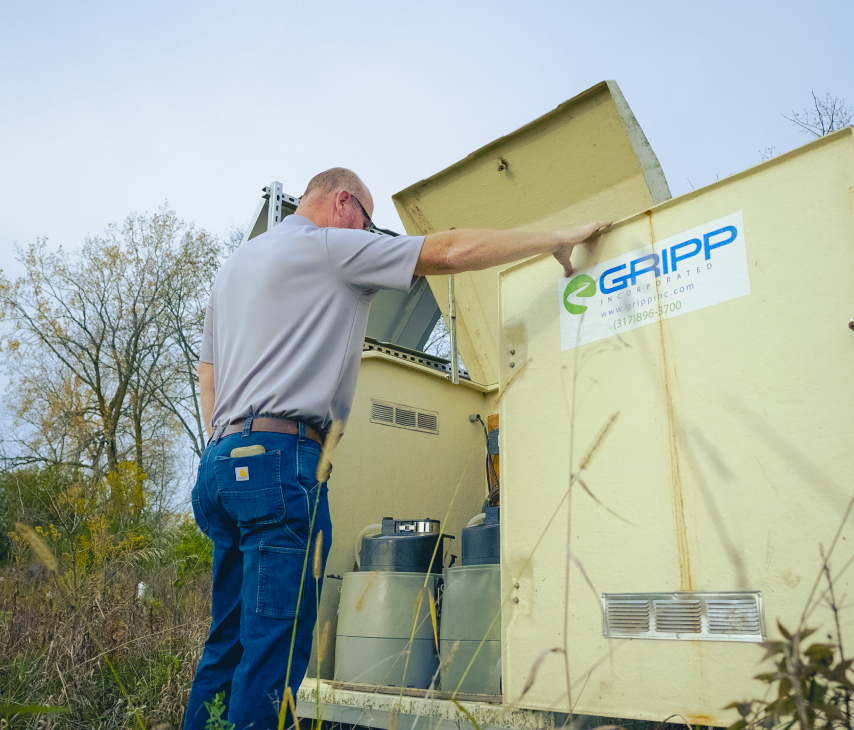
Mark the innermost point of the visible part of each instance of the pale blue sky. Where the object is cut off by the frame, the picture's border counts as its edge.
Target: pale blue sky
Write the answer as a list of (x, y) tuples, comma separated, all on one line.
[(112, 107)]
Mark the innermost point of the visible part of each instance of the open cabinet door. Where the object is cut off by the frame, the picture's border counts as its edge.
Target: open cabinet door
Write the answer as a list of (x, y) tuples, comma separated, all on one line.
[(586, 160)]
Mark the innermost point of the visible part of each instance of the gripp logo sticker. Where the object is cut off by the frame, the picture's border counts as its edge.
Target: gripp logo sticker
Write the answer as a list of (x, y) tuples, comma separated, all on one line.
[(587, 288), (692, 270)]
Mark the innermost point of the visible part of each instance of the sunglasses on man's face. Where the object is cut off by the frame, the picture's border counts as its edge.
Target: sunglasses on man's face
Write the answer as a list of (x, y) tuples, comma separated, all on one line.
[(368, 222)]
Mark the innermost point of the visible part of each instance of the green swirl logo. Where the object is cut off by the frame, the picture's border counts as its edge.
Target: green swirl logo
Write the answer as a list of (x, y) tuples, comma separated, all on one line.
[(581, 286)]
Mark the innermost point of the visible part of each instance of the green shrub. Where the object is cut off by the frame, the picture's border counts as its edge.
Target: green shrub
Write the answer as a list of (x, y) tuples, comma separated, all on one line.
[(193, 552)]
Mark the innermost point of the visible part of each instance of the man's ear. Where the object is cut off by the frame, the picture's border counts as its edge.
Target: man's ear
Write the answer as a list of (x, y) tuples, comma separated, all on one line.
[(341, 198)]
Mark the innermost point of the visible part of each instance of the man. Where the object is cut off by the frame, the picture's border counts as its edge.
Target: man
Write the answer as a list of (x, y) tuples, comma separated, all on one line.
[(280, 357)]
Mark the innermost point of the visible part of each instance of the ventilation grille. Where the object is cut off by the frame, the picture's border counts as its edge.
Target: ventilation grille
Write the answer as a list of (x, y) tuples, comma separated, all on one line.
[(678, 617), (400, 416), (629, 617), (428, 422), (405, 418), (688, 616), (734, 617), (382, 413)]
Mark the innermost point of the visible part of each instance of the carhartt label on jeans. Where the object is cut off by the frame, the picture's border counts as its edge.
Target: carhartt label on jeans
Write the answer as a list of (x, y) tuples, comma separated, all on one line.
[(241, 473)]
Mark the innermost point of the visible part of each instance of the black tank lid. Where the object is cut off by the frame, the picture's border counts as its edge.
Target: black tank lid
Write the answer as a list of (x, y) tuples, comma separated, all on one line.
[(404, 546), (482, 543)]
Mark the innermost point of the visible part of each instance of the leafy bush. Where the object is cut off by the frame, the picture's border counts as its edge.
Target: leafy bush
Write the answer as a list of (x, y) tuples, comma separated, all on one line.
[(813, 688), (193, 553)]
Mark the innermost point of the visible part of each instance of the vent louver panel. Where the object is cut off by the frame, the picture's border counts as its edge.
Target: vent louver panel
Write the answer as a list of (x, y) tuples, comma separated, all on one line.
[(692, 616), (381, 412), (734, 617), (678, 617), (401, 416), (428, 421), (404, 417), (629, 617)]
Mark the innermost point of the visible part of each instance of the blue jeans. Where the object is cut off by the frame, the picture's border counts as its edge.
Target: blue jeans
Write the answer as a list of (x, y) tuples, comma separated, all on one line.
[(258, 512)]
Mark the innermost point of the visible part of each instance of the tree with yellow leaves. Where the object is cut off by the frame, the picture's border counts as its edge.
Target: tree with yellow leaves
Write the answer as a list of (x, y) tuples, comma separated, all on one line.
[(101, 345)]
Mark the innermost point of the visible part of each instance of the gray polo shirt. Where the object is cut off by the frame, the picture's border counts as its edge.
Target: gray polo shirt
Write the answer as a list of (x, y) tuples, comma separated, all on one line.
[(287, 317)]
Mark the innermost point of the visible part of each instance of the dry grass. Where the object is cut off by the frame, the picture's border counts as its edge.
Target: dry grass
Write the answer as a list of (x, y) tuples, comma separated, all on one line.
[(55, 654)]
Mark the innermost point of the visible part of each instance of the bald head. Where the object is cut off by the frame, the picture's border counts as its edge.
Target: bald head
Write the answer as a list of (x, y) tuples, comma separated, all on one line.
[(335, 198), (338, 178)]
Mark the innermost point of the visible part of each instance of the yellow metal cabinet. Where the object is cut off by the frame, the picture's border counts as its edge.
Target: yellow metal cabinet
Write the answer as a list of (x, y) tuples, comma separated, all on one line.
[(729, 462)]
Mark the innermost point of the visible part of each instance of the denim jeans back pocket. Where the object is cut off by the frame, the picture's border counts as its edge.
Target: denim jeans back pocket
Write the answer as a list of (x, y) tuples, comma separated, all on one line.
[(250, 488)]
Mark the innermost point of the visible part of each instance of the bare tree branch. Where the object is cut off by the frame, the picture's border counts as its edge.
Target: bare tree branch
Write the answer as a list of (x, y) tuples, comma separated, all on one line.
[(827, 116)]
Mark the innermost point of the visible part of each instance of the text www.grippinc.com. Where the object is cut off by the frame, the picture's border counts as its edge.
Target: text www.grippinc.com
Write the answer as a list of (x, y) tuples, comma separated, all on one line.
[(667, 304), (665, 291)]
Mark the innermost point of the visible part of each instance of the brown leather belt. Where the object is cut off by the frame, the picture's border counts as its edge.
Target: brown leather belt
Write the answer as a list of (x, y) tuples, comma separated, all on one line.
[(273, 425)]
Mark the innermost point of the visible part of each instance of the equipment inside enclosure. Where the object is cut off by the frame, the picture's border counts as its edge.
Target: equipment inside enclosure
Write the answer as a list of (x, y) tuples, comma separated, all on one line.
[(490, 431), (471, 624), (481, 543), (471, 612), (404, 546), (380, 602), (375, 621)]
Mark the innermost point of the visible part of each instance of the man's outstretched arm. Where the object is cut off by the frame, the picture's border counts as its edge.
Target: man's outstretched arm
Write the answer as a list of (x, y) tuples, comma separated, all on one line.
[(452, 252), (207, 394)]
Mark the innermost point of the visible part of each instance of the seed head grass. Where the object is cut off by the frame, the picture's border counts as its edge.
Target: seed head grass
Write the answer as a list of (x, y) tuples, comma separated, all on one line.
[(38, 545)]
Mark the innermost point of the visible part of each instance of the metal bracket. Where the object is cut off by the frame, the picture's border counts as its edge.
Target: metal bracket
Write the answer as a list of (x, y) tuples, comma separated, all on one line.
[(274, 206), (273, 194), (492, 442), (452, 328)]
